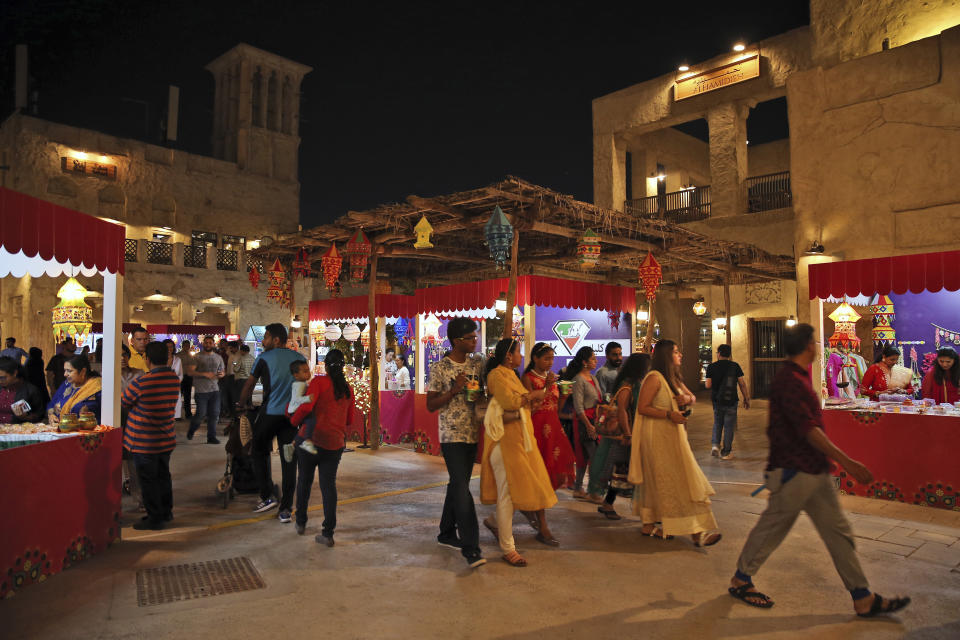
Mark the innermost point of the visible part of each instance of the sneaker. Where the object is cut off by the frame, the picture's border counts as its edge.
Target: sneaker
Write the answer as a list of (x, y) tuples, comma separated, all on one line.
[(265, 505), (212, 441), (322, 539), (476, 561), (728, 456), (449, 543), (301, 529), (146, 525), (715, 451), (309, 447), (284, 516), (288, 452), (190, 433)]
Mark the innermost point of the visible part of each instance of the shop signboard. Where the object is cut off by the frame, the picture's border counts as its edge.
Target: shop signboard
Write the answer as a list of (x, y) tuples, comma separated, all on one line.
[(568, 330), (746, 67)]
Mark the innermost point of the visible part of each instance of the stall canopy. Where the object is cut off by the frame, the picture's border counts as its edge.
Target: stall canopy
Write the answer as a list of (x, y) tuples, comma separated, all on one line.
[(186, 329), (355, 308), (42, 238), (898, 274), (470, 297)]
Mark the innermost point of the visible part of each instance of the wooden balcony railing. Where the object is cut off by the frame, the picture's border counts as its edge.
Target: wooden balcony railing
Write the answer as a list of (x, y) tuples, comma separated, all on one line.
[(159, 252), (688, 205), (195, 256), (130, 250), (771, 191)]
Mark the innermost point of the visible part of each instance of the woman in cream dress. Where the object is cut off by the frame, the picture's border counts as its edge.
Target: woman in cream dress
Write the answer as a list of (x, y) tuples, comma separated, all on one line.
[(672, 495)]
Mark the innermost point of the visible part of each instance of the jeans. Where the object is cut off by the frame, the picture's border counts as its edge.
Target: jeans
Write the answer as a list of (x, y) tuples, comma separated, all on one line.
[(156, 486), (725, 423), (326, 462), (208, 404), (228, 397), (459, 513), (265, 429), (186, 387)]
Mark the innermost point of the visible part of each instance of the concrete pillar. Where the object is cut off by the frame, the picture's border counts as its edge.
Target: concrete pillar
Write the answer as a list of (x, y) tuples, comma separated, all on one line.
[(728, 159), (609, 171), (112, 325)]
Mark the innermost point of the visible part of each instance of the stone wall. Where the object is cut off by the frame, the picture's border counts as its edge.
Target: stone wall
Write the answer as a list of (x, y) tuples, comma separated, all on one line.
[(771, 157), (685, 158)]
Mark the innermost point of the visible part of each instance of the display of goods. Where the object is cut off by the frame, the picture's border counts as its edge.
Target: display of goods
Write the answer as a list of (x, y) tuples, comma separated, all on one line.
[(332, 332), (27, 428), (72, 317), (301, 264), (845, 329)]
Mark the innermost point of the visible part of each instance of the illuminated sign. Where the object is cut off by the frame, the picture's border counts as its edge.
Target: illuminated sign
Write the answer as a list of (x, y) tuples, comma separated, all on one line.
[(741, 70), (571, 333), (86, 167)]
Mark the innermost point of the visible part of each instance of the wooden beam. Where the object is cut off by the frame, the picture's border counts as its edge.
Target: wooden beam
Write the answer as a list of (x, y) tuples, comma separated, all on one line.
[(428, 204)]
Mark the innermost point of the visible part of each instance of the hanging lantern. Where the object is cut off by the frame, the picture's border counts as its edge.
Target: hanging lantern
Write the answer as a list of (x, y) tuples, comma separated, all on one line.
[(883, 317), (316, 328), (332, 332), (351, 332), (699, 308), (383, 287), (499, 233), (254, 276), (650, 274), (358, 251), (72, 317), (423, 231), (365, 337), (588, 249), (845, 329), (431, 329), (330, 263), (301, 264), (276, 292)]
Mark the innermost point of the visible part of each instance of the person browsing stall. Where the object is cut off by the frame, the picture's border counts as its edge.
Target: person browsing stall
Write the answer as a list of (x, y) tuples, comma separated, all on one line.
[(20, 401), (942, 382)]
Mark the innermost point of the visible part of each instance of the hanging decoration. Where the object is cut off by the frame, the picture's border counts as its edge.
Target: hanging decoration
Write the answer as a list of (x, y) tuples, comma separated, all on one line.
[(423, 231), (330, 263), (332, 332), (883, 317), (516, 330), (351, 332), (845, 329), (403, 330), (699, 308), (360, 385), (613, 317), (358, 251), (499, 236), (365, 337), (943, 336), (72, 317), (431, 329), (277, 291), (254, 276), (301, 264), (588, 249), (650, 275)]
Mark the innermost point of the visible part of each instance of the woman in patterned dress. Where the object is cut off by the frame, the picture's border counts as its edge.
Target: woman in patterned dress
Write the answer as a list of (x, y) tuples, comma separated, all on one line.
[(551, 440)]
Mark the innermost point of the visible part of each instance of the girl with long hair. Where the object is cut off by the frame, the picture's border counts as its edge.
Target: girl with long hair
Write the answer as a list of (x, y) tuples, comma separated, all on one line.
[(332, 408), (586, 397), (554, 447), (942, 382), (671, 495), (512, 473), (614, 451)]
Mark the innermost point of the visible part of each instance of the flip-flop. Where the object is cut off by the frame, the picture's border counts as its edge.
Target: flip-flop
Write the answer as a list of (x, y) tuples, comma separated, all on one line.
[(517, 561), (877, 608), (743, 592), (533, 521), (550, 542), (494, 530), (708, 540)]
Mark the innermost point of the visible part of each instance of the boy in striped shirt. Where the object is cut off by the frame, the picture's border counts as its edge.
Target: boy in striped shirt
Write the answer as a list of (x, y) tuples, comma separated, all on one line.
[(149, 435)]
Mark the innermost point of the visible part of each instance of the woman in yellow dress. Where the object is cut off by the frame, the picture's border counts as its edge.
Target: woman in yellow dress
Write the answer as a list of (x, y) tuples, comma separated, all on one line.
[(672, 495), (512, 473)]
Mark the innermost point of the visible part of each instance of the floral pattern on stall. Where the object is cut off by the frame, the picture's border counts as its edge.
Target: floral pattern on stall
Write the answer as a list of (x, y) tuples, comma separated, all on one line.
[(29, 568), (866, 417), (90, 442), (79, 549), (886, 491), (937, 495), (421, 442)]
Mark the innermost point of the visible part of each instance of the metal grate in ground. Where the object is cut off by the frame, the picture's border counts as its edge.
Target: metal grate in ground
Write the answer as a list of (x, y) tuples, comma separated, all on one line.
[(178, 582)]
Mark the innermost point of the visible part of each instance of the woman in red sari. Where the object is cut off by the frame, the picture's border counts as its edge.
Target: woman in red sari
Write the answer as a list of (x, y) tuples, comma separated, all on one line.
[(877, 378), (553, 443)]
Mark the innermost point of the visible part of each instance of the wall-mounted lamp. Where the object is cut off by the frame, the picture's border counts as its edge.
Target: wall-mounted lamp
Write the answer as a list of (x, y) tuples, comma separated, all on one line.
[(791, 321), (661, 177), (739, 47), (295, 323), (720, 323), (815, 249), (683, 67)]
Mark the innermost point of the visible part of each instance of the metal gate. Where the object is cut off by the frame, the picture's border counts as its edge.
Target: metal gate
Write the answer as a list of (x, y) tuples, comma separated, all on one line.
[(767, 354)]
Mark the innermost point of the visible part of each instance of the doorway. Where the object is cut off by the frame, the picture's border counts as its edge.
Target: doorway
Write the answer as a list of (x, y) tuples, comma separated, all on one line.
[(767, 355)]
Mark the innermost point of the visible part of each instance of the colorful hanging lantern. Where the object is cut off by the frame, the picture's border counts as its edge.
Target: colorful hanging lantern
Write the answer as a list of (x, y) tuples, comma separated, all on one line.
[(499, 233), (277, 290), (588, 249), (330, 263), (845, 327), (301, 264), (883, 317), (351, 332), (400, 331), (254, 277), (358, 251), (72, 317), (699, 308), (431, 329), (365, 337), (423, 231), (650, 274), (332, 332)]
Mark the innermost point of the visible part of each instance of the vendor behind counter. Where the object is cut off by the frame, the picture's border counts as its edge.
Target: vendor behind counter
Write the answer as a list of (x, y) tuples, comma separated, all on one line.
[(942, 382), (20, 401)]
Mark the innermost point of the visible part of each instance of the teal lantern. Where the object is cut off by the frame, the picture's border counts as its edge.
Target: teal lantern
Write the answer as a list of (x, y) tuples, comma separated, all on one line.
[(499, 234)]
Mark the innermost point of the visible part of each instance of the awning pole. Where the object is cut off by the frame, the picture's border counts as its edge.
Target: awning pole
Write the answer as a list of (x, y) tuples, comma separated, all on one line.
[(512, 289), (374, 440)]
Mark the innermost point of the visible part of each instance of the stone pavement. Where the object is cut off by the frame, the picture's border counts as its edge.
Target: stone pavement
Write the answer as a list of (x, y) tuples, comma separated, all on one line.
[(386, 577)]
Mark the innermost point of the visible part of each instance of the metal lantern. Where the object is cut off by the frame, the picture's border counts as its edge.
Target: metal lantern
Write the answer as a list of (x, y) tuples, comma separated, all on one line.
[(699, 308), (358, 251), (423, 231), (499, 234), (650, 274), (277, 291), (72, 317), (883, 316), (301, 264), (330, 263), (588, 249), (431, 329), (845, 329)]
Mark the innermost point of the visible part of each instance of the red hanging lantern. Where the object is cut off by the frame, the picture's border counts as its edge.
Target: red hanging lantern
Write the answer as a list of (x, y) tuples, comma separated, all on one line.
[(650, 274), (330, 263), (358, 251), (254, 276), (301, 264), (278, 282)]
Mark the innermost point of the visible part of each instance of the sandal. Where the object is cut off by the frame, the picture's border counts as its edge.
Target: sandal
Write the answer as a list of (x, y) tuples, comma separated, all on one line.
[(532, 519), (743, 593), (610, 514), (595, 499), (709, 540), (493, 529), (550, 542), (514, 559), (656, 532), (580, 494), (877, 608)]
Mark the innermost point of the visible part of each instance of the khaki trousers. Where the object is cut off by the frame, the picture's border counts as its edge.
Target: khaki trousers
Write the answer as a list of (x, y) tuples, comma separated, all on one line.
[(504, 502), (816, 495)]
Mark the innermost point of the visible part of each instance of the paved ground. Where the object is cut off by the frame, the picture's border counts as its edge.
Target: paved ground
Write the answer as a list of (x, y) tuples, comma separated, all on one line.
[(386, 578)]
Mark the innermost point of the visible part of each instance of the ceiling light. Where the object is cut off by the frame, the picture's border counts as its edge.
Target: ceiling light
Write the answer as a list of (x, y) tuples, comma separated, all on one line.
[(815, 249), (296, 323), (661, 177), (791, 321), (166, 228), (683, 67), (739, 47)]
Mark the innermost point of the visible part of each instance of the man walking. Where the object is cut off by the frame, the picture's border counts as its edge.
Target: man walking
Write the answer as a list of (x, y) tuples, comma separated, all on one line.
[(207, 371), (459, 433), (138, 345), (272, 368), (55, 366), (723, 378), (149, 434), (14, 352), (607, 374), (186, 385), (798, 477), (228, 390)]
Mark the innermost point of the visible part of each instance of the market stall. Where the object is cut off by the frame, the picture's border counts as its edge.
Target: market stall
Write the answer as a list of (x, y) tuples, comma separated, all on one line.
[(909, 443), (180, 332), (61, 497)]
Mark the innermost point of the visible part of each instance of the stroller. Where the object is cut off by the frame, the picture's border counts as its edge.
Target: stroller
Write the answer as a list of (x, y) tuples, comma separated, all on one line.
[(238, 475)]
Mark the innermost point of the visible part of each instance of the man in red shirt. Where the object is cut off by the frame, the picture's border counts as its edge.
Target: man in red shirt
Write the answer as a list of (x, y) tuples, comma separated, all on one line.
[(798, 477)]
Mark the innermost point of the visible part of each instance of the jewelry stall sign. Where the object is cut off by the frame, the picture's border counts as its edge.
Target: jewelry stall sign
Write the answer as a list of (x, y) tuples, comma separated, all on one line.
[(745, 67), (88, 168)]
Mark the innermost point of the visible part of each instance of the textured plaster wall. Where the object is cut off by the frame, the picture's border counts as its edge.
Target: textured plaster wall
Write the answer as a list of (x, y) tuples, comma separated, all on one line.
[(771, 157), (685, 158)]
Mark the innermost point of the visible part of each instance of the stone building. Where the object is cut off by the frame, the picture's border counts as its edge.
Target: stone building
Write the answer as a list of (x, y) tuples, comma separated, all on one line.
[(869, 168), (190, 219)]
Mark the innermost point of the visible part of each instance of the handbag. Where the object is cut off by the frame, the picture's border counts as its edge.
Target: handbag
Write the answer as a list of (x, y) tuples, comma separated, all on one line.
[(608, 424)]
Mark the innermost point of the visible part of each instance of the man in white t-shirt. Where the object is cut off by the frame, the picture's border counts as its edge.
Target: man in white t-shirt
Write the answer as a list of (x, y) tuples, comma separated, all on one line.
[(390, 368)]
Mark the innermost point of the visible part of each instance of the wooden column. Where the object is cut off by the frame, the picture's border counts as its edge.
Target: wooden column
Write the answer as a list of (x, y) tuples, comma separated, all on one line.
[(726, 308), (374, 433), (676, 299), (650, 320), (512, 289)]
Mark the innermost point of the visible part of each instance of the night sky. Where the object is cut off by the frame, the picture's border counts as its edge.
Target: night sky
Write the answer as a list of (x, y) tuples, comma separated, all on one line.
[(405, 97)]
